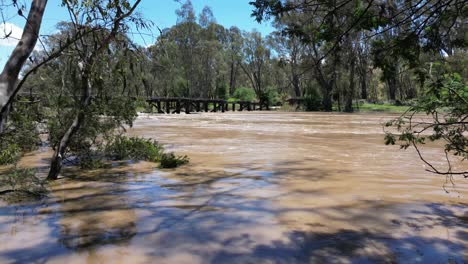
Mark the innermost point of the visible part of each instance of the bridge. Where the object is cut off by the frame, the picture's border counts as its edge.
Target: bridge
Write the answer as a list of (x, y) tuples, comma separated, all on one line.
[(176, 105)]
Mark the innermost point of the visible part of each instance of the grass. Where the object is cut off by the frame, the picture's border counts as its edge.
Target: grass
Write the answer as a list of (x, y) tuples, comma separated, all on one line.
[(382, 108)]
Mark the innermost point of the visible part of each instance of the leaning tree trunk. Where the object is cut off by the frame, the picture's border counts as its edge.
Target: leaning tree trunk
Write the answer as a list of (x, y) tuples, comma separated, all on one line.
[(57, 158), (13, 66)]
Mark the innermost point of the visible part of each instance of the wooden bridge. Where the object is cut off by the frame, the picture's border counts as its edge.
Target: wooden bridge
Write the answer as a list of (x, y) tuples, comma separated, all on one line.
[(176, 105)]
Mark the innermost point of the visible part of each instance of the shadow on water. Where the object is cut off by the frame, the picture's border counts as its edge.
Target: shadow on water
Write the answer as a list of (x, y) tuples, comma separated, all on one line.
[(229, 216)]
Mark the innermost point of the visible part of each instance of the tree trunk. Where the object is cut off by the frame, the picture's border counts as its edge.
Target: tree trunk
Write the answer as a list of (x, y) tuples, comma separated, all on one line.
[(232, 79), (296, 85), (57, 158), (392, 81), (392, 87), (350, 91), (13, 66), (327, 100), (364, 86), (326, 88)]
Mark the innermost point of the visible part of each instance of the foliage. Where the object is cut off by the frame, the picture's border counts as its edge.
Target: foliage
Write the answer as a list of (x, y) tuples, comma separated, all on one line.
[(122, 148), (24, 181), (244, 94), (446, 102), (222, 91), (170, 160), (10, 153), (135, 148), (108, 114), (312, 100), (20, 134), (271, 96), (404, 41)]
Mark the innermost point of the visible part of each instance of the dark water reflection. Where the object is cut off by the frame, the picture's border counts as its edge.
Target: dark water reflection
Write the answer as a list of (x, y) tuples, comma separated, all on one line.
[(315, 189)]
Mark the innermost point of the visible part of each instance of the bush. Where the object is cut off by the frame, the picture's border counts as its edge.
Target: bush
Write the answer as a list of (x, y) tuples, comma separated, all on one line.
[(121, 148), (21, 134), (244, 94), (271, 96), (23, 181), (127, 148), (9, 153), (312, 101), (90, 159), (222, 91), (169, 160)]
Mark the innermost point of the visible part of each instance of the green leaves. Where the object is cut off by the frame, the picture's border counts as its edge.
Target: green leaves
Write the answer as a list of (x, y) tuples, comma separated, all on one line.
[(445, 103)]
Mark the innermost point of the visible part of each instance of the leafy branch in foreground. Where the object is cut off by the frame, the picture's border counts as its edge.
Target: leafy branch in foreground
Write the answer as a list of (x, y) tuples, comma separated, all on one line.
[(446, 101)]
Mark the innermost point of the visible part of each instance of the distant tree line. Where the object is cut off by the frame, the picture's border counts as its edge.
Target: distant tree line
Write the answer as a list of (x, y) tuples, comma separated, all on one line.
[(313, 54)]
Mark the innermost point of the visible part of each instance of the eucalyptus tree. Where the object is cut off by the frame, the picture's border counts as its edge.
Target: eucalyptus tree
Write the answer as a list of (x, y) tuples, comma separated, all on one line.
[(11, 71), (212, 39), (256, 61), (233, 49), (186, 35), (291, 53), (110, 19), (400, 31)]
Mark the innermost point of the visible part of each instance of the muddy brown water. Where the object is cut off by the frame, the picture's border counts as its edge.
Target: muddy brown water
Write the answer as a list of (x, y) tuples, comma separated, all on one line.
[(261, 188)]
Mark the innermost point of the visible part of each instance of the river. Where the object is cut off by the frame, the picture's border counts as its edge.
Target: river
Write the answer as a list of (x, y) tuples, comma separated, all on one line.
[(261, 187)]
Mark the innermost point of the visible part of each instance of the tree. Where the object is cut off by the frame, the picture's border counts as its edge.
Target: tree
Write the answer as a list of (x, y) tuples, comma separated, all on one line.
[(88, 52), (402, 34), (256, 61), (234, 56), (19, 56), (291, 52)]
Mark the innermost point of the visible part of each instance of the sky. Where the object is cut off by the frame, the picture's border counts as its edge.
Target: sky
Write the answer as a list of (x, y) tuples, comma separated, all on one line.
[(161, 12)]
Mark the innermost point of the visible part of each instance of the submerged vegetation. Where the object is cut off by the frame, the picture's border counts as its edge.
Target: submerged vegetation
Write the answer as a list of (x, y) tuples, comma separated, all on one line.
[(170, 160), (122, 148), (20, 184)]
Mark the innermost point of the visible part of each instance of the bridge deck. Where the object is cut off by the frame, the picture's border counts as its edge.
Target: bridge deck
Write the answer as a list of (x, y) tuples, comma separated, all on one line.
[(171, 105)]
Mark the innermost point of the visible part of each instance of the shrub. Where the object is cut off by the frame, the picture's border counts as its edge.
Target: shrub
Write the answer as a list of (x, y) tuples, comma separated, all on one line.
[(20, 134), (222, 91), (271, 96), (244, 94), (24, 181), (170, 160), (121, 148), (312, 101), (9, 153), (91, 160)]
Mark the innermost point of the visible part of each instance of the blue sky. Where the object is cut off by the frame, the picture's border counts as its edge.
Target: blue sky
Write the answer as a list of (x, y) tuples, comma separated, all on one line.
[(162, 12)]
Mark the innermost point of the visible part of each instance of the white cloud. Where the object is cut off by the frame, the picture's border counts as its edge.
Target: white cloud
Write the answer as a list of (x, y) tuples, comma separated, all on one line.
[(12, 31)]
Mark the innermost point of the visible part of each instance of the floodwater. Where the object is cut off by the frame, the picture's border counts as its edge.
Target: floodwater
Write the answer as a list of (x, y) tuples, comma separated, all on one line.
[(263, 187)]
